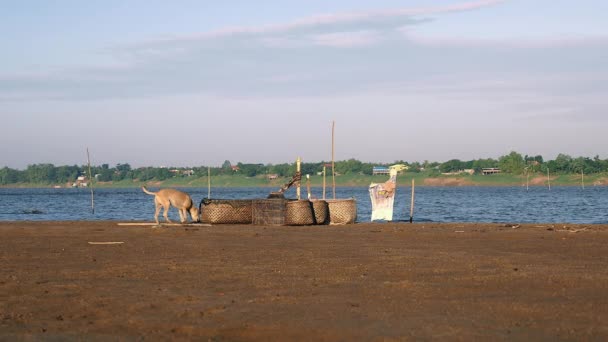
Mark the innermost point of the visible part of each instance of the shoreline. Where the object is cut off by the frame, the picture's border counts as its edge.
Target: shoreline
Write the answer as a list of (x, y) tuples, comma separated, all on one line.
[(403, 180), (366, 281), (446, 185)]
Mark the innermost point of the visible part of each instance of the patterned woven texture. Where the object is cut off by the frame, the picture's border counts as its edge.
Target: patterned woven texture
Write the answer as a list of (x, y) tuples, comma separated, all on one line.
[(321, 211), (299, 213), (226, 211), (342, 211), (269, 211)]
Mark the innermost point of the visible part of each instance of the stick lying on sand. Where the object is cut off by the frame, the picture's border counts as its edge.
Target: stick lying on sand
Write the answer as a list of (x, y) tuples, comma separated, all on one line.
[(106, 243), (164, 224)]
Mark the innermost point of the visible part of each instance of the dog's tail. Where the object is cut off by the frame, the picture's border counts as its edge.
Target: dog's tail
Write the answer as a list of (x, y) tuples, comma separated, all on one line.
[(148, 192)]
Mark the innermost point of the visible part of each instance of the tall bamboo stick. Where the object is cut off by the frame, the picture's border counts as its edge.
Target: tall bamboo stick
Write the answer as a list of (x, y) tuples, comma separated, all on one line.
[(548, 179), (333, 165), (412, 202), (298, 169), (583, 179), (308, 194), (91, 183), (324, 168), (209, 182)]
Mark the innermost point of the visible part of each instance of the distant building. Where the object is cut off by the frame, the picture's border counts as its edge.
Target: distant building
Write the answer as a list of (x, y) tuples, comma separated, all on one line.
[(272, 176), (459, 172), (380, 170), (182, 172), (81, 182), (490, 170)]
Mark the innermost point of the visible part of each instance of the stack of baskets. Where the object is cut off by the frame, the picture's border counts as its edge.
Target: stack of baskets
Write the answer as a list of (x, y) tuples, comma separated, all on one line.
[(278, 211)]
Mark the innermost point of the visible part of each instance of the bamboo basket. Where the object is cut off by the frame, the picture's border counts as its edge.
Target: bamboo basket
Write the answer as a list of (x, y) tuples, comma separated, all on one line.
[(299, 213), (321, 210), (269, 211), (218, 211), (342, 211)]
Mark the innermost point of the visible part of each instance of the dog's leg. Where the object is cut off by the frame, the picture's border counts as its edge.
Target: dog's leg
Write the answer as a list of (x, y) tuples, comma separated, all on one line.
[(157, 211), (182, 216), (166, 214)]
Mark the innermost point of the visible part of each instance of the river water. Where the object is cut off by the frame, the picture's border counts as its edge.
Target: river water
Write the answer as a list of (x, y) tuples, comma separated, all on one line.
[(432, 204)]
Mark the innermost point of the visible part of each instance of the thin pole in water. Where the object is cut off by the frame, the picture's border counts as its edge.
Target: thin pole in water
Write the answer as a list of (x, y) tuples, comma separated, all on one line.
[(308, 194), (91, 183), (324, 169), (583, 179), (412, 202), (209, 182), (548, 179), (333, 165)]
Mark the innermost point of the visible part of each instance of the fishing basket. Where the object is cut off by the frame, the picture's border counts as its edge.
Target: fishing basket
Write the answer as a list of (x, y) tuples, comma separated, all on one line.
[(299, 213), (219, 211), (269, 211), (321, 211), (342, 211)]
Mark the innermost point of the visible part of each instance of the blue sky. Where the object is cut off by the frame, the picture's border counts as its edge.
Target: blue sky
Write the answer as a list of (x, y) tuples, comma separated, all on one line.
[(188, 83)]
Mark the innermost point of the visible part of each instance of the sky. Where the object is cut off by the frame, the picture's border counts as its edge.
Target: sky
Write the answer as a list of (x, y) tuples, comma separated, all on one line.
[(195, 83)]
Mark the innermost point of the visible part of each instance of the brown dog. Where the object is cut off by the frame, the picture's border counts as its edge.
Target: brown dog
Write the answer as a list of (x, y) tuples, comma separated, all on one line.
[(165, 198)]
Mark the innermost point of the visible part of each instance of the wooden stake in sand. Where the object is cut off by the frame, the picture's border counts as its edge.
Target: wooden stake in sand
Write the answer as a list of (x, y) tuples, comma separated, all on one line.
[(298, 169), (333, 164), (91, 184), (412, 202)]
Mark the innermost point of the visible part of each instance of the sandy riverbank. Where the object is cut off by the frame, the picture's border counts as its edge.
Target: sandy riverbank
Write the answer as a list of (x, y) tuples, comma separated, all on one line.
[(358, 282)]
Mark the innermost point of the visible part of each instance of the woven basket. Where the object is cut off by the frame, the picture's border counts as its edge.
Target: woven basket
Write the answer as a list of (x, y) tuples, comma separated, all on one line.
[(299, 213), (269, 211), (321, 211), (342, 211), (226, 211)]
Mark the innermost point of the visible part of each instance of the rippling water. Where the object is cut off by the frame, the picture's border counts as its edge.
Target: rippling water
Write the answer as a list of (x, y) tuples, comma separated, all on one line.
[(436, 204)]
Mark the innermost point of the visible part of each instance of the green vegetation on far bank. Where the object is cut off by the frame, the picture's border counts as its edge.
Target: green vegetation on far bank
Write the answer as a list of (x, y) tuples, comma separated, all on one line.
[(515, 169)]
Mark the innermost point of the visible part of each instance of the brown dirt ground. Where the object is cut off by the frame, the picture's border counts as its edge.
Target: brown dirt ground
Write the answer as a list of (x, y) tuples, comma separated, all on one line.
[(373, 282)]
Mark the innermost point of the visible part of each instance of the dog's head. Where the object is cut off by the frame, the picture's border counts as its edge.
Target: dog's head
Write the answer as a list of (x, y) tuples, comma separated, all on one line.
[(195, 214)]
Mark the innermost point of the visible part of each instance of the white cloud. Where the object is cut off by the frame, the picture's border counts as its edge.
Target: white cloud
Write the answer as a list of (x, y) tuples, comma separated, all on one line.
[(530, 41)]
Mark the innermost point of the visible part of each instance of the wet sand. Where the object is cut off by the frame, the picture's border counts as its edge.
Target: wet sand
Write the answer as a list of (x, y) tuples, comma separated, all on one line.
[(388, 282)]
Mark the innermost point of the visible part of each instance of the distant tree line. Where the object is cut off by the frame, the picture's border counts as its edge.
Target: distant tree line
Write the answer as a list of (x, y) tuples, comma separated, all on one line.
[(512, 163)]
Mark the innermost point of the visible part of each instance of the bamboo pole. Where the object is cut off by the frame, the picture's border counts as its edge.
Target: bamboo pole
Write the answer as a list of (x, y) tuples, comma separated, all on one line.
[(333, 165), (209, 182), (548, 179), (298, 169), (324, 169), (308, 194), (91, 183), (583, 179), (412, 201)]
